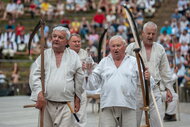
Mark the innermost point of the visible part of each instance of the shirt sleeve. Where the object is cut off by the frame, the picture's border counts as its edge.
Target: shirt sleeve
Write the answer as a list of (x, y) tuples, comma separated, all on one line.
[(94, 80), (165, 72), (35, 79), (79, 78)]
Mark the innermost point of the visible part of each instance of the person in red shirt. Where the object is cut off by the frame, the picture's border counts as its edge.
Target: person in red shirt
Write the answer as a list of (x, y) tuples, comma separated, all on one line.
[(19, 29), (99, 18), (33, 9)]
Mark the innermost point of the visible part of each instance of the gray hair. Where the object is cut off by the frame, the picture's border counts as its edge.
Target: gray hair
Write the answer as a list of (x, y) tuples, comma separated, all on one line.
[(150, 23), (118, 37), (75, 34), (61, 28)]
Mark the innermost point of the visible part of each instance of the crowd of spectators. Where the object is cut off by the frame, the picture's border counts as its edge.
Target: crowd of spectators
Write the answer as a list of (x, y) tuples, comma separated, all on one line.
[(174, 35), (175, 38), (14, 38)]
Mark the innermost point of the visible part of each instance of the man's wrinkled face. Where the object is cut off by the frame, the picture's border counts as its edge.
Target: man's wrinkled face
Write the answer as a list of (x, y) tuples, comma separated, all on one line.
[(59, 40), (117, 48), (75, 43), (149, 35)]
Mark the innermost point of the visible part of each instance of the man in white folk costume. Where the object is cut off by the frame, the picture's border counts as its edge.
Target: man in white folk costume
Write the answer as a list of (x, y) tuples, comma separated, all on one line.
[(117, 75), (63, 80)]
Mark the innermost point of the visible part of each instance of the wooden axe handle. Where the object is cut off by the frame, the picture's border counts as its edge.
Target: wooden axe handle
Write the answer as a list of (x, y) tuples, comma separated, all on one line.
[(29, 106), (72, 111)]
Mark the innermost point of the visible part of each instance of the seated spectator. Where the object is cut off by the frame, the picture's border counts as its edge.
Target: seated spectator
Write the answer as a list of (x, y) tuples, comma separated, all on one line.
[(182, 5), (141, 5), (183, 23), (103, 5), (15, 77), (91, 5), (19, 9), (93, 37), (66, 22), (75, 26), (149, 8), (59, 11), (2, 7), (10, 25), (176, 15), (81, 5), (10, 10), (187, 15), (110, 17), (37, 2), (184, 49), (166, 46), (49, 42), (10, 46), (33, 9), (139, 19), (122, 26), (180, 73), (19, 29), (27, 1), (173, 22), (164, 36), (187, 73), (2, 78), (121, 32), (46, 31), (180, 62), (184, 37), (46, 9), (84, 28), (188, 28), (70, 5), (115, 6), (166, 28), (176, 29), (176, 43), (99, 18), (22, 41)]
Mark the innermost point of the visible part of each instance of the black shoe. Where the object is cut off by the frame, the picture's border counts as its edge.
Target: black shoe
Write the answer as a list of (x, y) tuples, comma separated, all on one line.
[(170, 117)]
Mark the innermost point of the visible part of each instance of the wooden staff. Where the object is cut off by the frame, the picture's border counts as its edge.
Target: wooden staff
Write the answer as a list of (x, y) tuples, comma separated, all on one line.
[(42, 73), (145, 93), (41, 25), (176, 83)]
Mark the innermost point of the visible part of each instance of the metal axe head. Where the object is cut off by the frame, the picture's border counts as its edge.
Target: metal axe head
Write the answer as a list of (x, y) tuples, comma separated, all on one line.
[(37, 27), (101, 42), (133, 26)]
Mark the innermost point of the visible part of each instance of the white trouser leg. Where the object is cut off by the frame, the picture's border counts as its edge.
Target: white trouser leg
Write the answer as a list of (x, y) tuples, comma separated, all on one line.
[(126, 117), (106, 118), (172, 106), (154, 119), (57, 115)]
